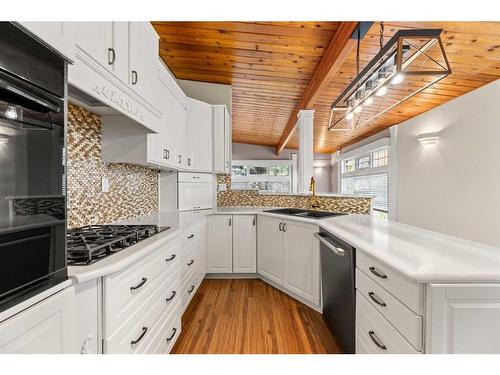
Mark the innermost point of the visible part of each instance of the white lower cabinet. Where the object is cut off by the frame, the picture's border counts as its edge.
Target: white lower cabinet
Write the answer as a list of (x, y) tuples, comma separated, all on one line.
[(48, 327), (374, 334), (231, 244), (288, 254), (244, 244), (463, 319), (301, 260), (219, 244), (270, 248)]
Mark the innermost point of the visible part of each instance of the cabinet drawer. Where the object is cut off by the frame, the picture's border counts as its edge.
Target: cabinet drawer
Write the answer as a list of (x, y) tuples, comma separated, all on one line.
[(191, 235), (194, 177), (124, 291), (408, 292), (402, 318), (169, 329), (375, 335), (137, 332), (189, 287), (190, 260)]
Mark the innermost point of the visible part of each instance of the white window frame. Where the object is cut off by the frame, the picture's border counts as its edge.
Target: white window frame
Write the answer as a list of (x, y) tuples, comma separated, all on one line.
[(267, 176)]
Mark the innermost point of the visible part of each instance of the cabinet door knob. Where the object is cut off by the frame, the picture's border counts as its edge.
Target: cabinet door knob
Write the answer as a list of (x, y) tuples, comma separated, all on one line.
[(135, 77), (111, 56)]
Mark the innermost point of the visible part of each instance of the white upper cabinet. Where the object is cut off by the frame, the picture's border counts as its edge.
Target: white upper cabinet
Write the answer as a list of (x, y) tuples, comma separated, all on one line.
[(222, 139), (55, 34), (94, 39), (143, 57), (199, 135)]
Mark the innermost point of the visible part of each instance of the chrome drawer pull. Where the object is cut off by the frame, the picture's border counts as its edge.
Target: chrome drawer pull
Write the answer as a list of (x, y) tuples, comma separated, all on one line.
[(172, 296), (376, 340), (144, 279), (191, 289), (376, 273), (136, 341), (174, 331), (191, 262), (171, 258), (377, 299)]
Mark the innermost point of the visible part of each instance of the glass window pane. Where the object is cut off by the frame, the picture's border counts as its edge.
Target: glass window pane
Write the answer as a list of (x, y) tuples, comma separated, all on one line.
[(348, 166), (364, 162), (279, 170), (239, 170), (380, 158), (253, 170)]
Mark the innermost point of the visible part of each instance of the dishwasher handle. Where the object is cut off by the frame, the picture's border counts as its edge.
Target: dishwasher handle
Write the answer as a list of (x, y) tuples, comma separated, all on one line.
[(337, 250)]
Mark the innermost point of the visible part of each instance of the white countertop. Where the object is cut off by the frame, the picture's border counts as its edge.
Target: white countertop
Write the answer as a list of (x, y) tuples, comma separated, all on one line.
[(421, 255)]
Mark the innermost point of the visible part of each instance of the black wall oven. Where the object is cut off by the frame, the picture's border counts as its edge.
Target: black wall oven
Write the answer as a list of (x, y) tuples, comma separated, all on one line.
[(32, 160)]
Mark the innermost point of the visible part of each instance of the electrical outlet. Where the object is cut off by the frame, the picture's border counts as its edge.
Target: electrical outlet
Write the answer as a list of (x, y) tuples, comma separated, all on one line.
[(222, 187), (105, 184)]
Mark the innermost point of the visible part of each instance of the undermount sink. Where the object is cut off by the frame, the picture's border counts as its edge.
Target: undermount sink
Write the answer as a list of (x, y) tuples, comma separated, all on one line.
[(313, 214)]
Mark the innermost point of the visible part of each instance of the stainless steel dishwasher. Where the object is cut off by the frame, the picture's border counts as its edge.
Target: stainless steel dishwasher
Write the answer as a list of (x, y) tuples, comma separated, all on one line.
[(338, 260)]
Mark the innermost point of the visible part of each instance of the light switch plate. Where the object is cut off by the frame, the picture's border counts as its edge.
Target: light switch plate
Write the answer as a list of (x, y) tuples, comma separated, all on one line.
[(105, 184), (222, 187)]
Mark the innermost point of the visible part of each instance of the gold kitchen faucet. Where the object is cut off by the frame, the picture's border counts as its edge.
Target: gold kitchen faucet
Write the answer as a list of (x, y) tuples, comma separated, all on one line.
[(313, 201)]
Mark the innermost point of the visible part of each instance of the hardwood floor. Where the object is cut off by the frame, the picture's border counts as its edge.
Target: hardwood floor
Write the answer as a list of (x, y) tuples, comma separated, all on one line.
[(251, 317)]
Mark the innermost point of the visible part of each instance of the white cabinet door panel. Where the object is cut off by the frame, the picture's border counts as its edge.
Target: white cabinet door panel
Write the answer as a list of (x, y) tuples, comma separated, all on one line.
[(143, 57), (301, 260), (219, 244), (244, 244), (48, 327), (54, 34), (199, 135), (195, 196), (463, 319), (270, 248), (93, 38)]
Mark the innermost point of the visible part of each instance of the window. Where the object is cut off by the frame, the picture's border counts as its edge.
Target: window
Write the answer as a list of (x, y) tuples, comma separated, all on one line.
[(279, 170), (376, 185), (364, 162), (365, 171), (380, 157), (272, 176), (348, 166)]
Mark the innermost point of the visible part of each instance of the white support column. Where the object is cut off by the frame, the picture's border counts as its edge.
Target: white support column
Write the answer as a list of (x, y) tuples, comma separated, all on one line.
[(306, 151)]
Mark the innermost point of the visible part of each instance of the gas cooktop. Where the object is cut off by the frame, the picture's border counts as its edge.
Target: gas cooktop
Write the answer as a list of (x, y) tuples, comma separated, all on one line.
[(88, 244)]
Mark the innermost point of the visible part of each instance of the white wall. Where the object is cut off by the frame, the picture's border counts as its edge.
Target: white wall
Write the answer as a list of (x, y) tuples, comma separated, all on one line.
[(212, 93), (454, 186)]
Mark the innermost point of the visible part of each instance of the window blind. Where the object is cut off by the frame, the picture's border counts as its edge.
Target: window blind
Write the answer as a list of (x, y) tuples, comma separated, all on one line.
[(374, 184)]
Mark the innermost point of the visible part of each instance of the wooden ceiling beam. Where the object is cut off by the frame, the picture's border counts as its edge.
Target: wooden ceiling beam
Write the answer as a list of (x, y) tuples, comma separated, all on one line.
[(337, 51)]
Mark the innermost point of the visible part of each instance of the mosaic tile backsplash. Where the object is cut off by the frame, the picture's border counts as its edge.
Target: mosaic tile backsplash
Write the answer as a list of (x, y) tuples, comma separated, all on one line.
[(133, 190), (252, 198)]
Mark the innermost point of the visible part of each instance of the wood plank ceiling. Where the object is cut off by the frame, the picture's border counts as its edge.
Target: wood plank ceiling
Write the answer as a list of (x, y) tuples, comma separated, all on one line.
[(269, 65)]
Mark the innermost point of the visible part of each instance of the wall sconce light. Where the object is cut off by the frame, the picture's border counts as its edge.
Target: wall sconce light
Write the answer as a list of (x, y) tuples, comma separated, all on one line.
[(428, 138)]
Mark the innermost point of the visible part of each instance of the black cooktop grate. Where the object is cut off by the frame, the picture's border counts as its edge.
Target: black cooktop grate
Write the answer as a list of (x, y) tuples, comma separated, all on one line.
[(88, 244)]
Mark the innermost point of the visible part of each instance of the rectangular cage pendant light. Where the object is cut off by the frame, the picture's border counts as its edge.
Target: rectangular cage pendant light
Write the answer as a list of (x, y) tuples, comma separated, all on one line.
[(411, 61)]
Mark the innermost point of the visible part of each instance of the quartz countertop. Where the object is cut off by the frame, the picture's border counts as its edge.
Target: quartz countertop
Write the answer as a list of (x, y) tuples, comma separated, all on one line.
[(420, 255)]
